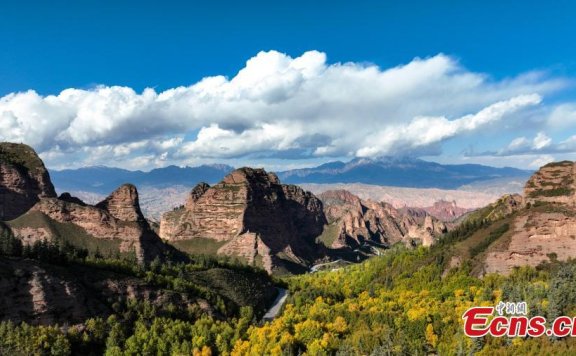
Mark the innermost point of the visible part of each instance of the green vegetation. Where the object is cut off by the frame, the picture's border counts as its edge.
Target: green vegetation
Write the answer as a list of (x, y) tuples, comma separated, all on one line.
[(199, 246), (329, 235), (493, 236), (22, 156), (69, 234), (237, 294), (555, 192), (398, 303), (9, 245), (407, 301)]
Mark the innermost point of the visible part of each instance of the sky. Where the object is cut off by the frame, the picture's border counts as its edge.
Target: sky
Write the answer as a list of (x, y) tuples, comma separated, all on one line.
[(145, 84)]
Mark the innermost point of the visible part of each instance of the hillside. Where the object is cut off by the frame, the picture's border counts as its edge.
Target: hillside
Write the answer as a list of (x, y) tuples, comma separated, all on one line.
[(538, 227), (48, 292), (405, 301), (33, 212)]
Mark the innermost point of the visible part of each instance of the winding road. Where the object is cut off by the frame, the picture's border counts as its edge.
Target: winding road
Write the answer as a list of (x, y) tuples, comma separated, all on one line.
[(276, 306)]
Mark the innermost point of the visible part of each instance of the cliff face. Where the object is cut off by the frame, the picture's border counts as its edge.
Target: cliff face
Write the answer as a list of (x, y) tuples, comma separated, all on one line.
[(251, 215), (123, 204), (354, 222), (116, 221), (29, 205), (23, 180), (554, 183), (446, 211), (542, 224)]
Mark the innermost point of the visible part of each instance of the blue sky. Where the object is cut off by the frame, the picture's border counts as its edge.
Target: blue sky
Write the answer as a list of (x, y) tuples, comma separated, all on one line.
[(328, 80)]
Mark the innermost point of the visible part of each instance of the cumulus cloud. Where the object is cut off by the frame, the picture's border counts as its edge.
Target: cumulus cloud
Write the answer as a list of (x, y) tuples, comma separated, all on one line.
[(425, 131), (541, 145), (277, 106)]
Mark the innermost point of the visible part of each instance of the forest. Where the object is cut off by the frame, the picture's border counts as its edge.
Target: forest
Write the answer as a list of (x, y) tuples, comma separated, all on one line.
[(403, 302)]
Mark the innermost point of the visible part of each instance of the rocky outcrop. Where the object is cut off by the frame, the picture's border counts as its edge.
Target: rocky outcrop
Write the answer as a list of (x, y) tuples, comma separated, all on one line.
[(355, 222), (29, 205), (195, 194), (554, 183), (123, 204), (116, 219), (44, 294), (253, 216), (23, 180), (542, 223), (446, 211)]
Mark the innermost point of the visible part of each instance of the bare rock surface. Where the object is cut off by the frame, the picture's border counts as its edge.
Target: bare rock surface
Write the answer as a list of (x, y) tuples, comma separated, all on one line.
[(543, 226), (23, 180), (355, 221), (254, 216), (29, 204)]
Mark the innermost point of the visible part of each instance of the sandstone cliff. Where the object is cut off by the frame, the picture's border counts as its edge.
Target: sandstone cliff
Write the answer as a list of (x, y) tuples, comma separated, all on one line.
[(29, 205), (116, 223), (446, 211), (555, 183), (250, 215), (23, 180), (538, 227), (354, 222)]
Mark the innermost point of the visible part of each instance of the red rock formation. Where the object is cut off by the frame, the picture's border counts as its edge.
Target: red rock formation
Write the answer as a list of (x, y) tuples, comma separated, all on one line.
[(543, 224), (254, 216), (23, 180), (123, 204), (446, 211), (28, 200), (555, 182), (117, 218), (195, 194), (358, 221)]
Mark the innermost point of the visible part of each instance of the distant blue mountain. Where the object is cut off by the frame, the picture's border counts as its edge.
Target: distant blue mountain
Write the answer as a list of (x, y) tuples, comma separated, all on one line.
[(390, 171), (400, 172), (104, 180)]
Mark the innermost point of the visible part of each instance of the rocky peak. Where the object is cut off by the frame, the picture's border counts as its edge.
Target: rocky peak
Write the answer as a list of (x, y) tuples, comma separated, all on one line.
[(539, 225), (339, 196), (249, 214), (355, 222), (196, 193), (67, 197), (251, 176), (23, 180), (123, 204), (554, 182)]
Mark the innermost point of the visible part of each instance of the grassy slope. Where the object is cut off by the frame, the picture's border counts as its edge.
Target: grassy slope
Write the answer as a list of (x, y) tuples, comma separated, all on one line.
[(199, 246), (67, 233)]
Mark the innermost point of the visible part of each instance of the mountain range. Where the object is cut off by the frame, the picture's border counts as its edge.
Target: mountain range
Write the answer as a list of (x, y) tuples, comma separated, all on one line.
[(386, 171), (102, 179), (98, 278)]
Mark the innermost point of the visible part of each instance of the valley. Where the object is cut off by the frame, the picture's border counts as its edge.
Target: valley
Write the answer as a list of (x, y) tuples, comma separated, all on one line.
[(250, 265)]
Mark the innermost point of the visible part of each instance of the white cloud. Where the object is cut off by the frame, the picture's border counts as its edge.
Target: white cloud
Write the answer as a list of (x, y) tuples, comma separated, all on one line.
[(541, 141), (563, 116), (425, 131), (541, 161), (541, 145), (276, 106)]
